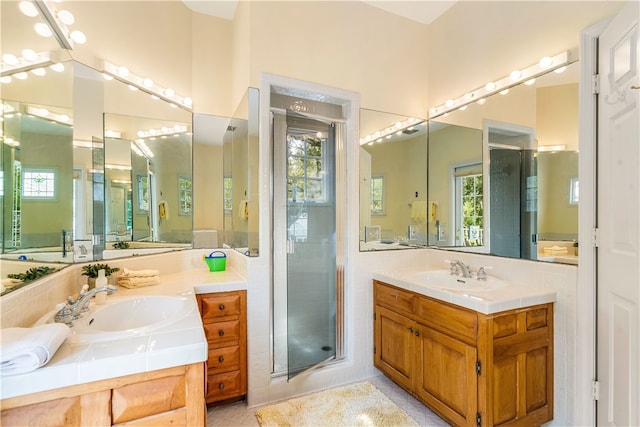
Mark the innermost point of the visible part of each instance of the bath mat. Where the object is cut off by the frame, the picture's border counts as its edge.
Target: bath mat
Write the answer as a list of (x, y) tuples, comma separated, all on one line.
[(356, 405)]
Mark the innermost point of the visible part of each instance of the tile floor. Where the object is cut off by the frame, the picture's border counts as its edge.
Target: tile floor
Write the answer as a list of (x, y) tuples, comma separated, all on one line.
[(238, 415)]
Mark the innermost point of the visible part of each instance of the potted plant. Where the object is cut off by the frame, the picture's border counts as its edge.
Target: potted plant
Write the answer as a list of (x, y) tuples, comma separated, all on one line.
[(91, 271)]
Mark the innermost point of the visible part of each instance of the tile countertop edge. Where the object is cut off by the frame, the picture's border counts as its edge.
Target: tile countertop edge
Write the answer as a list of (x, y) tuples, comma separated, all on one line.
[(517, 296), (66, 367)]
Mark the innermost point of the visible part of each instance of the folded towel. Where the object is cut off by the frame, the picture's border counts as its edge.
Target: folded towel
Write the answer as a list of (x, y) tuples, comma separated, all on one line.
[(138, 282), (26, 349), (10, 283), (554, 250), (139, 273)]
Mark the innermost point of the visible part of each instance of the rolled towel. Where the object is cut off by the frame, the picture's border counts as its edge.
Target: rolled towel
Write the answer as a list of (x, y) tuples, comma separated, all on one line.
[(139, 273), (554, 250), (138, 282), (26, 349), (10, 283)]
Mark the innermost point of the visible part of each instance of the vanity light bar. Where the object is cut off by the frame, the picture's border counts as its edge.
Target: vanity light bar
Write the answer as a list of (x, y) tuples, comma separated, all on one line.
[(545, 65), (117, 167), (543, 148), (386, 133), (59, 29), (147, 85), (45, 114), (144, 148), (163, 131), (22, 64)]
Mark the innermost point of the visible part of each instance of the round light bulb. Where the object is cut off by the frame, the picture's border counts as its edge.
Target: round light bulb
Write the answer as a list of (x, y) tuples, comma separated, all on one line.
[(29, 54), (39, 71), (64, 118), (449, 103), (515, 75), (490, 86), (168, 92), (154, 97), (123, 71), (172, 105), (28, 8), (78, 37), (530, 82), (43, 29), (504, 92), (187, 101), (546, 62), (398, 125), (147, 82), (468, 96), (9, 59), (107, 77), (58, 67), (463, 108), (5, 79), (560, 70), (66, 17), (21, 76), (164, 129), (482, 101), (177, 128), (133, 88), (43, 112)]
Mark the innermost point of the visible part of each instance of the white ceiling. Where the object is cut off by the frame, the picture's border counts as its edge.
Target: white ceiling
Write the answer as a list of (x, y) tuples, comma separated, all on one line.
[(424, 11)]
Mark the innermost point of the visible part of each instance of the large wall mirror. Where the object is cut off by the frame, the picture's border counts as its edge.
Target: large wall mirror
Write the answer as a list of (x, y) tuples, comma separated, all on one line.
[(503, 172), (393, 185)]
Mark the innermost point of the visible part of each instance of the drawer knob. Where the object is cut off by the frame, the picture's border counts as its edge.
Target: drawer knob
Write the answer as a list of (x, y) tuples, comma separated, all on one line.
[(411, 330), (221, 386), (221, 359), (221, 307), (221, 333), (417, 333)]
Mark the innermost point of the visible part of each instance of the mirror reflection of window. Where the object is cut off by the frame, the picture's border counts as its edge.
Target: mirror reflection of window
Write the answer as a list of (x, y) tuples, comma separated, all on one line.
[(39, 183), (574, 193), (185, 192), (143, 191), (377, 195), (469, 205)]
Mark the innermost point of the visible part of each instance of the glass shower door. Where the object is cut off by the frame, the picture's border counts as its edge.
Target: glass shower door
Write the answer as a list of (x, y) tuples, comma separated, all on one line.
[(311, 243)]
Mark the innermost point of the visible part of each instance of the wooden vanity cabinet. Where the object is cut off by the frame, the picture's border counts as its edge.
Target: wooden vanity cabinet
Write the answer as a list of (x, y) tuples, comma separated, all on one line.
[(470, 368), (171, 396), (224, 317)]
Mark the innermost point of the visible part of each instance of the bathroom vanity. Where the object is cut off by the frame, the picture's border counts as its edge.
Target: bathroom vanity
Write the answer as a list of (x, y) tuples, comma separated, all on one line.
[(147, 376), (487, 364)]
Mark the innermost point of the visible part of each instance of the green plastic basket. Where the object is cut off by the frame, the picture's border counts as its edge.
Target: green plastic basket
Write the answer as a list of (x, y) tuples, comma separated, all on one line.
[(216, 260)]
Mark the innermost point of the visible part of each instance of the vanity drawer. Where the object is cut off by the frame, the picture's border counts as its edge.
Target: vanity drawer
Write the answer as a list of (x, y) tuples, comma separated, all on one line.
[(220, 305), (454, 321), (393, 298), (223, 359), (221, 333), (222, 386), (147, 398)]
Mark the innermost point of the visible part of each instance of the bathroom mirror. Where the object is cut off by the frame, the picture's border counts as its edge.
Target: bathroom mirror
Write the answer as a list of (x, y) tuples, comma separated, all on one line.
[(503, 174), (240, 177), (393, 184), (148, 185)]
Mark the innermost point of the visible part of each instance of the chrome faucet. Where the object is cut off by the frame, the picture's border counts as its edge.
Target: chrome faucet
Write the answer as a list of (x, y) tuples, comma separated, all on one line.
[(459, 267), (73, 310)]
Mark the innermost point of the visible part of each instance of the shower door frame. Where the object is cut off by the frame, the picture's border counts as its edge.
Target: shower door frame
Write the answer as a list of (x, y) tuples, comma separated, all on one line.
[(280, 243)]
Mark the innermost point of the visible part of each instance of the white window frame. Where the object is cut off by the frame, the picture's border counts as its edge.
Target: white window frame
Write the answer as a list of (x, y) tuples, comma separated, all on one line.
[(26, 171), (382, 210)]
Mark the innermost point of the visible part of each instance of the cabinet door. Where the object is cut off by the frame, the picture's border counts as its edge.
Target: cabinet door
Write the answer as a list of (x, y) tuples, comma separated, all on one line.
[(394, 343), (447, 379)]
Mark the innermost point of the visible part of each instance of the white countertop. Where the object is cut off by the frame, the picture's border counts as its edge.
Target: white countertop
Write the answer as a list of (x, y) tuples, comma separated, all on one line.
[(509, 297), (179, 343)]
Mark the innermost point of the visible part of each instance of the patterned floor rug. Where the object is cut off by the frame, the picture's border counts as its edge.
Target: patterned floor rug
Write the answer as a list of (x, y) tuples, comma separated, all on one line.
[(356, 405)]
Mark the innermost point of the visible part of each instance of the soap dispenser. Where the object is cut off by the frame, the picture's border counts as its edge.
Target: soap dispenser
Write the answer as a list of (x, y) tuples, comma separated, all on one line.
[(101, 281)]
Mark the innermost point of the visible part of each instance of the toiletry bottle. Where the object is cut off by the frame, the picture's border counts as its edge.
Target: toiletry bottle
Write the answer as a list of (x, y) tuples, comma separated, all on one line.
[(101, 281)]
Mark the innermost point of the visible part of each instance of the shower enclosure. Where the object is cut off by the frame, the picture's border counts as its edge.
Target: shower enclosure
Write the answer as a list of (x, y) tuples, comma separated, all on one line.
[(307, 259)]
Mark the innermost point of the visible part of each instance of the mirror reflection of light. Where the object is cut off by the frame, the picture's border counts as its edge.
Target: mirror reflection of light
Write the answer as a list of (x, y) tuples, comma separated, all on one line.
[(66, 17), (39, 71), (147, 82), (29, 54), (5, 79), (530, 82), (78, 37), (504, 92), (21, 75), (107, 77), (9, 59), (515, 75), (58, 67), (546, 62), (560, 70)]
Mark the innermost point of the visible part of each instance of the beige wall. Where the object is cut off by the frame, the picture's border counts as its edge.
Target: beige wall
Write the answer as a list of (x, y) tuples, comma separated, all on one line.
[(478, 41), (557, 112), (347, 45), (207, 187)]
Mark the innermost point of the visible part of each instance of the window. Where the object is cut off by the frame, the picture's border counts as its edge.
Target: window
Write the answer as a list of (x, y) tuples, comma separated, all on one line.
[(38, 183), (305, 168), (16, 208), (377, 195), (227, 189), (574, 191), (143, 193), (469, 205), (185, 194)]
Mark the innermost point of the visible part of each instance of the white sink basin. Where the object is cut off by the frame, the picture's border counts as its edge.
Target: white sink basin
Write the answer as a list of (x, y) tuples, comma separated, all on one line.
[(442, 279), (127, 317)]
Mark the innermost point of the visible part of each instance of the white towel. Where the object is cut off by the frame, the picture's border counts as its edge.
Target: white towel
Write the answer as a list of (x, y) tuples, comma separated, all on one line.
[(554, 250), (139, 273), (138, 282), (26, 349)]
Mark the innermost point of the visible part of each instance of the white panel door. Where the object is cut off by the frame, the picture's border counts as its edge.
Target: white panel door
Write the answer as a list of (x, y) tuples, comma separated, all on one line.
[(618, 252)]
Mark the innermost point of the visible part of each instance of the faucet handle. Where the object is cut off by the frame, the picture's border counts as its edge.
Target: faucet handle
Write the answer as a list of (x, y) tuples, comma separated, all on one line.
[(481, 274)]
